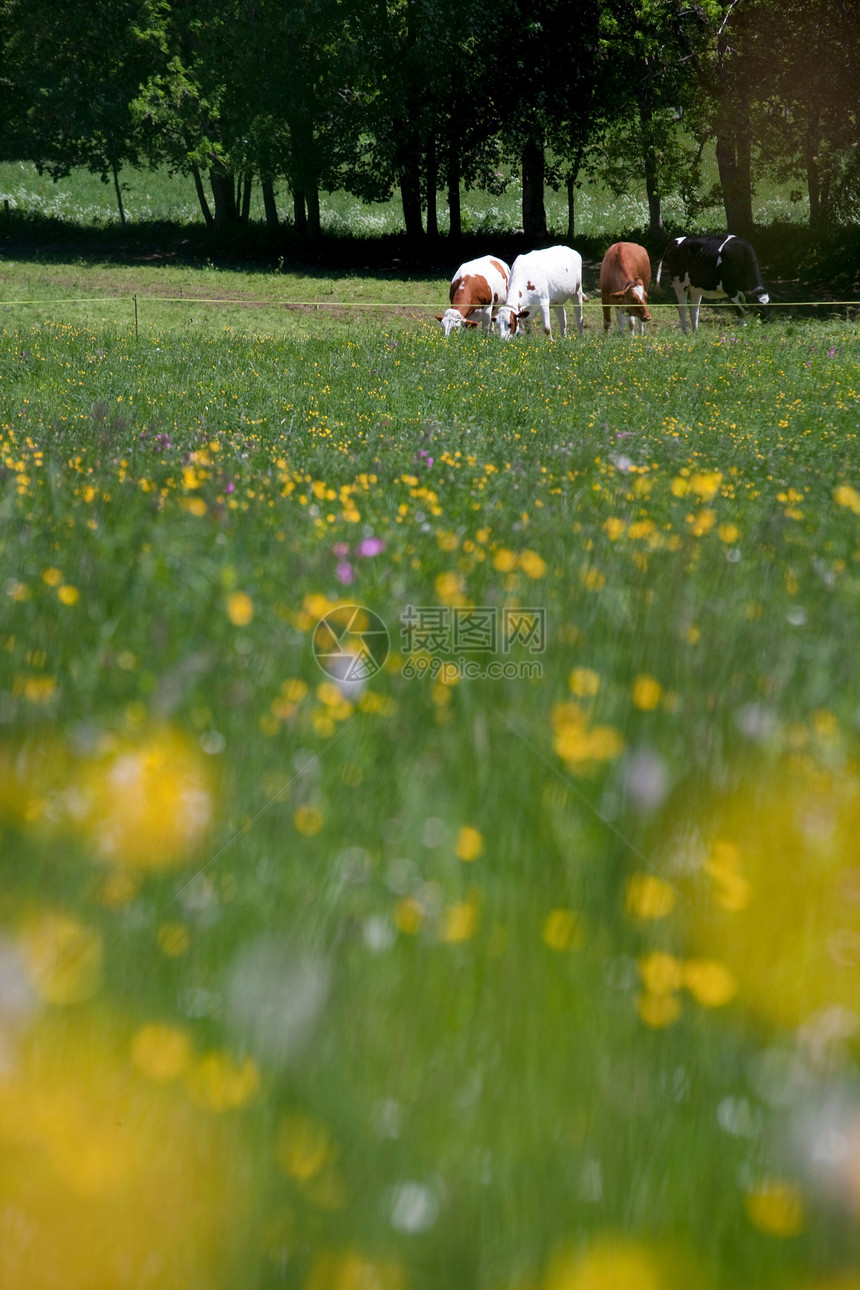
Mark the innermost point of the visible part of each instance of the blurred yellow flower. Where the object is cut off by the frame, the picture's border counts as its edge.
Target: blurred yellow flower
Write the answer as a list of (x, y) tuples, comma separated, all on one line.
[(469, 844), (303, 1146), (63, 958), (706, 484), (658, 1010), (532, 564), (68, 595), (173, 939), (353, 1271), (450, 588), (584, 682), (648, 896), (459, 922), (646, 693), (150, 803), (408, 915), (240, 608), (777, 912), (710, 983), (613, 1262), (660, 972), (308, 820), (562, 930), (845, 495), (776, 1208), (216, 1082), (161, 1052)]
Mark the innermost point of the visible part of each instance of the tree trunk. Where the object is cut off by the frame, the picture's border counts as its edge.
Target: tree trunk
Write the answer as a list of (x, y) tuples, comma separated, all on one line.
[(300, 217), (246, 199), (650, 162), (455, 211), (312, 198), (118, 191), (201, 196), (534, 207), (224, 193), (736, 183), (432, 184), (269, 205), (813, 174)]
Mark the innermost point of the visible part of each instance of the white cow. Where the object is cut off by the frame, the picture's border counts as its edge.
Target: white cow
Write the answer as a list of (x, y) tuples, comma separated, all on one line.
[(477, 289), (542, 280)]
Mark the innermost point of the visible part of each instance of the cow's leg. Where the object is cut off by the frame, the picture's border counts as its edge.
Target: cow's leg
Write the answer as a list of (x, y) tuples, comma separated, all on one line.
[(695, 301), (739, 301), (560, 317), (681, 296), (577, 309), (621, 320), (487, 319)]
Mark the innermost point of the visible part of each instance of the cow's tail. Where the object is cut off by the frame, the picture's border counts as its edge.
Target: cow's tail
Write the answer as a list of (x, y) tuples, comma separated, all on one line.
[(659, 271)]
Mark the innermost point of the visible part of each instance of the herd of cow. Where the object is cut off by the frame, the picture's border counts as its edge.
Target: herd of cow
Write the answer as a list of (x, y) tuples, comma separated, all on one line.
[(486, 292)]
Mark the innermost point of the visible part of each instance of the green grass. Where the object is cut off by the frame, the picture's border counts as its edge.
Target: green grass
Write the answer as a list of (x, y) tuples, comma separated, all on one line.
[(540, 980), (152, 197)]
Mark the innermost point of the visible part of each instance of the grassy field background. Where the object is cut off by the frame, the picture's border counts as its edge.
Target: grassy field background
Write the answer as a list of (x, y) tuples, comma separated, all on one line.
[(523, 957)]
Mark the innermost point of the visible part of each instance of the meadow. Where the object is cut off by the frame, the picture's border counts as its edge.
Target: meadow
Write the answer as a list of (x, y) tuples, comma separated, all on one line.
[(428, 797)]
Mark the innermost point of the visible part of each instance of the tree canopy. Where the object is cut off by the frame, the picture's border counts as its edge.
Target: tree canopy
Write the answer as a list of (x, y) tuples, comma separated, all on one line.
[(427, 96)]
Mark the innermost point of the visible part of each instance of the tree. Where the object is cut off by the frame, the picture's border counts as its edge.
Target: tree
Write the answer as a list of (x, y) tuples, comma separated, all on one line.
[(72, 72)]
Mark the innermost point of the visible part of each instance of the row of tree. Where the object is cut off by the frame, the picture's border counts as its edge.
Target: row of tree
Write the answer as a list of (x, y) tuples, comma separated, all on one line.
[(434, 96)]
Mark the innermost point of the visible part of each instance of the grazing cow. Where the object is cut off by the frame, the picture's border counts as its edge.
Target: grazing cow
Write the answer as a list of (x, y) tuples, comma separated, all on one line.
[(477, 288), (717, 268), (544, 280), (625, 276)]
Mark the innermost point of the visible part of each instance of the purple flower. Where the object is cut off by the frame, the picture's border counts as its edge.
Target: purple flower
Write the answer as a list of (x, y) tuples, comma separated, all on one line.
[(371, 546), (344, 573), (341, 550)]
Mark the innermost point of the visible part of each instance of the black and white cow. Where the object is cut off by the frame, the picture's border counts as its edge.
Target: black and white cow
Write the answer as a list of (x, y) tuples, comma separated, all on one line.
[(718, 268)]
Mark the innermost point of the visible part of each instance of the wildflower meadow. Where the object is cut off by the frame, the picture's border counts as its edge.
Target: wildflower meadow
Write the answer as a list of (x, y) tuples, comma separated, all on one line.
[(429, 802)]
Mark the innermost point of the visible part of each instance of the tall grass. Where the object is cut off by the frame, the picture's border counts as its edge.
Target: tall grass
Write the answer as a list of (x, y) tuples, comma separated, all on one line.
[(523, 957)]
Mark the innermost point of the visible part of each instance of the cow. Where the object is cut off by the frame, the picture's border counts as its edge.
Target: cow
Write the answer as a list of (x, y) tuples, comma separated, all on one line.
[(542, 280), (718, 268), (477, 288), (625, 276)]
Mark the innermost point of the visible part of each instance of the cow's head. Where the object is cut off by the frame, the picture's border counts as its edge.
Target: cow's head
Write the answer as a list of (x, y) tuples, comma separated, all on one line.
[(451, 319), (633, 298), (508, 320)]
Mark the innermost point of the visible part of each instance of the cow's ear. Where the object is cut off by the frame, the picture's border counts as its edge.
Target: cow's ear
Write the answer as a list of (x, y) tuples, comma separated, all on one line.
[(616, 297), (523, 313), (438, 317), (470, 322)]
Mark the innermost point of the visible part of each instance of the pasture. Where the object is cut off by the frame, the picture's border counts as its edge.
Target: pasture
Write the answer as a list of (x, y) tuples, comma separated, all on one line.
[(525, 956)]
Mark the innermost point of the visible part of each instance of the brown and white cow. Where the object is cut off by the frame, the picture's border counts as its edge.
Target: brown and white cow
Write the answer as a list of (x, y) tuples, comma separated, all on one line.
[(477, 289), (625, 276)]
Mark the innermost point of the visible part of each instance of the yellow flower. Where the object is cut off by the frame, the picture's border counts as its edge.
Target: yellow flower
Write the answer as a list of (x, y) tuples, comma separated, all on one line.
[(646, 693), (240, 608), (469, 844), (845, 495), (218, 1083), (303, 1146), (504, 560), (706, 484), (658, 1010), (161, 1052), (63, 958), (584, 682), (702, 522), (661, 973), (173, 939), (449, 588), (308, 820), (459, 922), (351, 1270), (709, 982), (408, 916), (562, 930), (532, 564), (728, 533), (776, 1208), (614, 528), (648, 896)]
